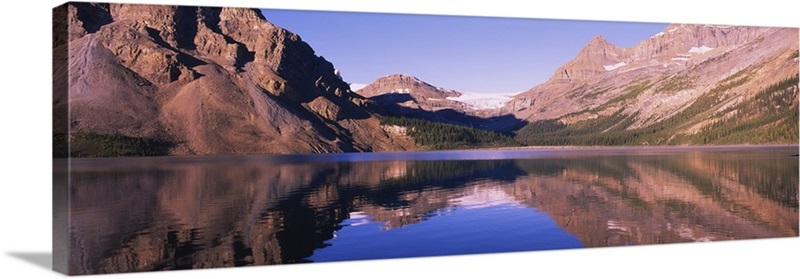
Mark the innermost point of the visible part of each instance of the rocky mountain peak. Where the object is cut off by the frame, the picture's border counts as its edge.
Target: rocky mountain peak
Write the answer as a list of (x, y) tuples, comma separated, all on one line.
[(665, 74), (210, 80), (249, 15), (675, 43), (683, 38), (599, 49), (399, 78), (405, 84), (595, 58), (408, 96), (598, 41)]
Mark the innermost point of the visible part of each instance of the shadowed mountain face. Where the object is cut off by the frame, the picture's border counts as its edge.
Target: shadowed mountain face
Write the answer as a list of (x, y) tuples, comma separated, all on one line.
[(180, 213), (198, 80)]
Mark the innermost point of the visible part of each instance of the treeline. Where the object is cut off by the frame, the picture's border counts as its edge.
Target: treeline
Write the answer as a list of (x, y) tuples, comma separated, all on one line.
[(83, 144), (434, 135), (770, 117), (447, 173), (603, 130)]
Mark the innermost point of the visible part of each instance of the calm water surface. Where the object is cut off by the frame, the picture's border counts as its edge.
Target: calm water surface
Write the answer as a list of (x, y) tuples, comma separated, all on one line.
[(140, 214)]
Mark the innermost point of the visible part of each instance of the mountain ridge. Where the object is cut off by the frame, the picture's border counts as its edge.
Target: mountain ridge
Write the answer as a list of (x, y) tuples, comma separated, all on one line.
[(179, 80), (675, 72), (677, 87)]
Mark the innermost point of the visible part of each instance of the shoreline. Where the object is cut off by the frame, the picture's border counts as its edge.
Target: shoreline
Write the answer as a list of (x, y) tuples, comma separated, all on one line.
[(417, 155), (599, 147)]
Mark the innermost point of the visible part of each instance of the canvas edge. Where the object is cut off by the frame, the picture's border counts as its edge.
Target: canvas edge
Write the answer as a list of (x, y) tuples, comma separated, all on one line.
[(60, 144), (60, 210)]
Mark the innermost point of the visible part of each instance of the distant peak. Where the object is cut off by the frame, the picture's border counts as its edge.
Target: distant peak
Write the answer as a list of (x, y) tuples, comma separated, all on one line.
[(399, 78), (599, 39), (400, 83), (598, 44)]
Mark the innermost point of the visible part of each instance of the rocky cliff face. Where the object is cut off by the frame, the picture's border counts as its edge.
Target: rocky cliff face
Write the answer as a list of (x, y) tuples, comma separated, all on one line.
[(205, 81)]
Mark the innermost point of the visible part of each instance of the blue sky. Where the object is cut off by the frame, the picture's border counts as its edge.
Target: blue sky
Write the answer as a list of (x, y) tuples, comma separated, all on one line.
[(467, 54)]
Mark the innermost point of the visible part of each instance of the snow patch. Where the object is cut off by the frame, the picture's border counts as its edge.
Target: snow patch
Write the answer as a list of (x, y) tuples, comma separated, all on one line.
[(658, 34), (680, 59), (617, 225), (688, 233), (700, 50), (477, 198), (480, 101), (614, 67), (357, 86), (358, 218), (401, 90)]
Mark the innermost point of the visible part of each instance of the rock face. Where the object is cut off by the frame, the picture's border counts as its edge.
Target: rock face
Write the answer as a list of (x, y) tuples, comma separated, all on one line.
[(205, 80), (664, 75)]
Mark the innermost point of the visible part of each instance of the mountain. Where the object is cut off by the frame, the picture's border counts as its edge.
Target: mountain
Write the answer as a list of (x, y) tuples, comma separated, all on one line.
[(407, 96), (404, 84), (693, 84), (424, 96), (176, 80), (689, 84), (135, 79)]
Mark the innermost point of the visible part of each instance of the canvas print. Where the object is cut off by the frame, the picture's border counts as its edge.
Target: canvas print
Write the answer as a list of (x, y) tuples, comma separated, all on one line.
[(206, 137)]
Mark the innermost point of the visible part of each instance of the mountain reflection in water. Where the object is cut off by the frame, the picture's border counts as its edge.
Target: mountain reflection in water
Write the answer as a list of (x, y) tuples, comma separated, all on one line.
[(140, 214)]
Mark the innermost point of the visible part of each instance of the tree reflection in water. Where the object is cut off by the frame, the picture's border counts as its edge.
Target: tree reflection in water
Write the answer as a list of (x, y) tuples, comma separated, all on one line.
[(170, 213)]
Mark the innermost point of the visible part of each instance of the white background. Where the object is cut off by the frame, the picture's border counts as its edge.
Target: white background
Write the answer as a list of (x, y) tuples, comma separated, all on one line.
[(25, 140)]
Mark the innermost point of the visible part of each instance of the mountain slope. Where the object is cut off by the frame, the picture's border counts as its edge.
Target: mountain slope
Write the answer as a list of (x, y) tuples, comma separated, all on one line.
[(202, 81), (678, 86)]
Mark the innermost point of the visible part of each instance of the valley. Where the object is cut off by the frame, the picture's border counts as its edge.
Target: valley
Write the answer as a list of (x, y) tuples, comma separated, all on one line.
[(143, 80)]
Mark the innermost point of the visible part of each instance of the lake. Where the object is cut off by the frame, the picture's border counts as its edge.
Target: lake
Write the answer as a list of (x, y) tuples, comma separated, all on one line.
[(164, 213)]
